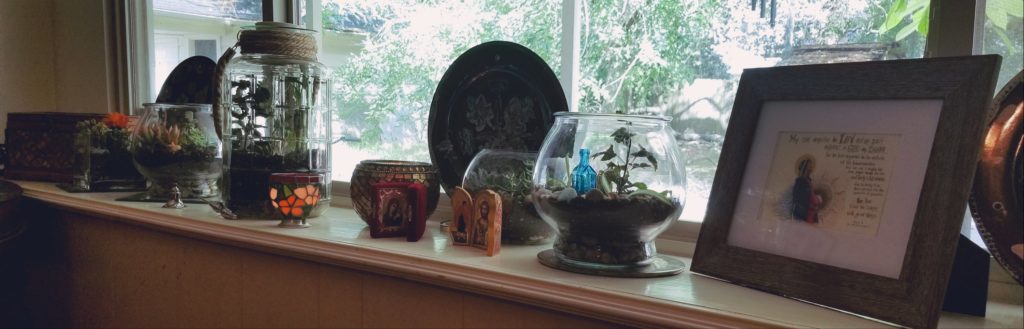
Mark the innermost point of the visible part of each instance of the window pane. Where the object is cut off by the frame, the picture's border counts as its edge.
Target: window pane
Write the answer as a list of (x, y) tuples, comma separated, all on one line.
[(683, 59), (1004, 35), (389, 55), (186, 28)]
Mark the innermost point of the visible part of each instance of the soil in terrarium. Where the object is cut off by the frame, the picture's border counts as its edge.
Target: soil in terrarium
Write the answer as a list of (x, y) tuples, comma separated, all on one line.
[(608, 230), (249, 178), (521, 224)]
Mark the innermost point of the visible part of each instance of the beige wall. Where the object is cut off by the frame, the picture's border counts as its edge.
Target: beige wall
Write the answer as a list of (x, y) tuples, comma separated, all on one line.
[(26, 58), (53, 57), (81, 56)]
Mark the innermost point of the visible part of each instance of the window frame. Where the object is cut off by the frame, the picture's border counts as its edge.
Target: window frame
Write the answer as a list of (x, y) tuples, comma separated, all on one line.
[(950, 34)]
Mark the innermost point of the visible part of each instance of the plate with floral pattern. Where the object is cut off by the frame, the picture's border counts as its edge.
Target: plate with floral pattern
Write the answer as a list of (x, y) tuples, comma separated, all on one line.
[(496, 95)]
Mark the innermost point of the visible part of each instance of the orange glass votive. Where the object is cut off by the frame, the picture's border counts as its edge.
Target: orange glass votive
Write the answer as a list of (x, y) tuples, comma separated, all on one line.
[(294, 195)]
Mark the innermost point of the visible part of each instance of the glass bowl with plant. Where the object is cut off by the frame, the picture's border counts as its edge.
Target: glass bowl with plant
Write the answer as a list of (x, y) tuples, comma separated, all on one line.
[(102, 161), (510, 174), (177, 144), (609, 184)]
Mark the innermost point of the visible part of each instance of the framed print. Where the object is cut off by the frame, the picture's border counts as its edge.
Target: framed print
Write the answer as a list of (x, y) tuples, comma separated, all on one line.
[(846, 184)]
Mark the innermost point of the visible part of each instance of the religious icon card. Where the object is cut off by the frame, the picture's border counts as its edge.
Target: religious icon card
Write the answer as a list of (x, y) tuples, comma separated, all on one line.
[(486, 225), (462, 215), (392, 210)]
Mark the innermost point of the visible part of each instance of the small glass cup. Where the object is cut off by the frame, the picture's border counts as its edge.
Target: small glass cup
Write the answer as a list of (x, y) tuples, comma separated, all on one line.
[(294, 196)]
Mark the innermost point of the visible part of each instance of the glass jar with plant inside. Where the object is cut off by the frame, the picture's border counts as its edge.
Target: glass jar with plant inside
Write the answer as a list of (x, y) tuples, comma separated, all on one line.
[(176, 144), (276, 101), (102, 161), (609, 184), (510, 174)]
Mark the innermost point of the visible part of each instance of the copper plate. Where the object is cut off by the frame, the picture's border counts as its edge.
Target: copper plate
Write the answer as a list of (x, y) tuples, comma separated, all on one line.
[(996, 199)]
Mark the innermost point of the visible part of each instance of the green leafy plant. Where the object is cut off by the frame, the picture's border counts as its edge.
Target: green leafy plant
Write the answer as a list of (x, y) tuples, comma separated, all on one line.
[(513, 181), (912, 16), (619, 166), (183, 140), (252, 101), (101, 136)]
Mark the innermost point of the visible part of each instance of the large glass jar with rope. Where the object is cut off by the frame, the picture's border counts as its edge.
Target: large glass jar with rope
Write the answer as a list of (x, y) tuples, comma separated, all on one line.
[(275, 103)]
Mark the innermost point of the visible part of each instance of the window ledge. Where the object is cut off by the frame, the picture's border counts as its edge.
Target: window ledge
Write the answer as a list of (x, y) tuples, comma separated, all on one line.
[(340, 238)]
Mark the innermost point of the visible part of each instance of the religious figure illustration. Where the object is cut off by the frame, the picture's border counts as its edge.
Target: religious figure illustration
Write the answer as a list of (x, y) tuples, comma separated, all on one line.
[(486, 227), (479, 235), (806, 201), (829, 181), (462, 208), (393, 216), (399, 210)]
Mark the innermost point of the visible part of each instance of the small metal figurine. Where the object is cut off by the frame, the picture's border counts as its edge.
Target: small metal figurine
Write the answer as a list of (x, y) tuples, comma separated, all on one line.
[(175, 200), (584, 178), (221, 209)]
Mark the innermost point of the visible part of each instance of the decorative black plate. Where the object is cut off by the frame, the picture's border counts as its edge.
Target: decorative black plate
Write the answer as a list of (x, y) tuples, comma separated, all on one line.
[(191, 81), (997, 199), (497, 95)]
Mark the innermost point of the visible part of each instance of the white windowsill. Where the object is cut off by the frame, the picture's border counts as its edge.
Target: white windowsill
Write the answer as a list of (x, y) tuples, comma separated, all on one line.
[(341, 238)]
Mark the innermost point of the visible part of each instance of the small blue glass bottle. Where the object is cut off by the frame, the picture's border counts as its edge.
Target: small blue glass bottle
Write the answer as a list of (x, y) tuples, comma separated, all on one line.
[(584, 178)]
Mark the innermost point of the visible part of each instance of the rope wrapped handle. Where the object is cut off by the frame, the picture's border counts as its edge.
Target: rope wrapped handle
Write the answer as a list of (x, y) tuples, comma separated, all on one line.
[(218, 85)]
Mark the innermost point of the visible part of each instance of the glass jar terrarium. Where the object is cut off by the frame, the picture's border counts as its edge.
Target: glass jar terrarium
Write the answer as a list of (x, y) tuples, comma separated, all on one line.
[(176, 144), (276, 98), (101, 159), (609, 184), (510, 174)]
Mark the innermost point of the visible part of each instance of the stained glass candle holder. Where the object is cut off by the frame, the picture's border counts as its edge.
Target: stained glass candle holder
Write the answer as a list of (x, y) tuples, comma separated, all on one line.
[(294, 196)]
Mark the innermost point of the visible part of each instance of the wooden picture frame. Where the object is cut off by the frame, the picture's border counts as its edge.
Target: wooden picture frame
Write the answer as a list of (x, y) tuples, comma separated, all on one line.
[(885, 248)]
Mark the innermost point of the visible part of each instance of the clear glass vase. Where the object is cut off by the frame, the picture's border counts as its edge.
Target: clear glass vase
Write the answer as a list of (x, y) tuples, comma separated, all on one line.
[(176, 144), (610, 204), (102, 162), (510, 174), (278, 108)]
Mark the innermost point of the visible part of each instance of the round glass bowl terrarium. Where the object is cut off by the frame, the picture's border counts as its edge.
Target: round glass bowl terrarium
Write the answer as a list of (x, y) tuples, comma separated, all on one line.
[(609, 184), (510, 174), (276, 98), (176, 144)]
